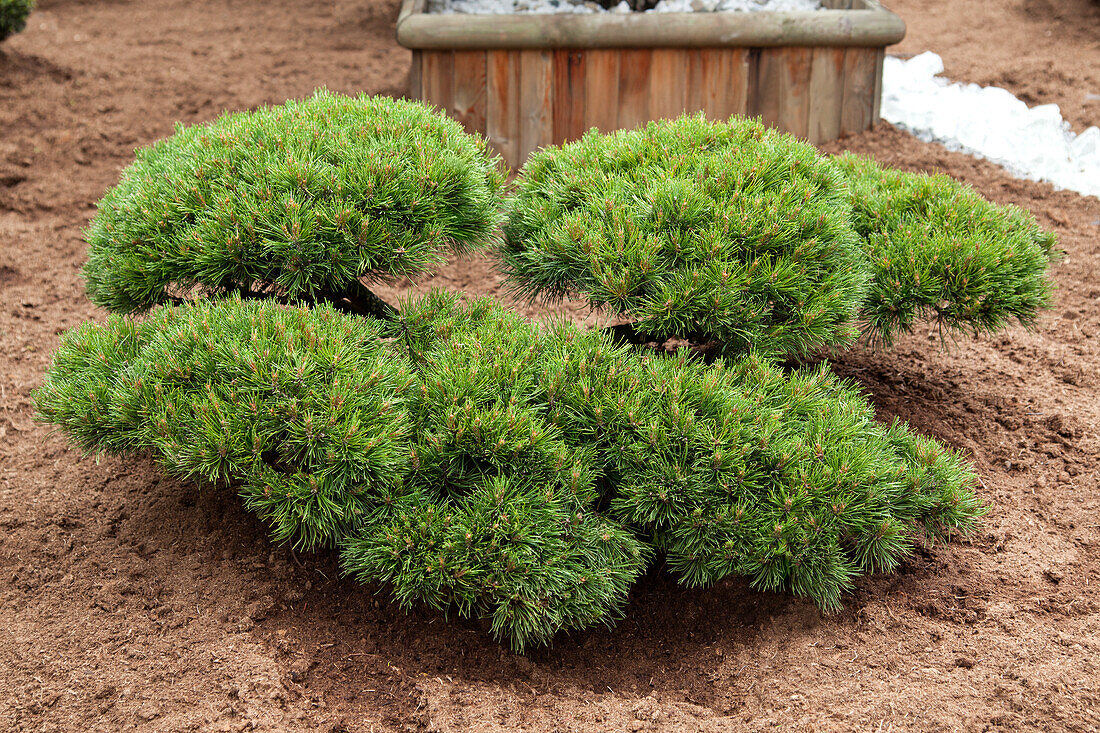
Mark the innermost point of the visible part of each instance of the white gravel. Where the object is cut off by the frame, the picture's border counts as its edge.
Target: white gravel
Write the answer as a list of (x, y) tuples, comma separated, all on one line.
[(507, 7), (989, 122)]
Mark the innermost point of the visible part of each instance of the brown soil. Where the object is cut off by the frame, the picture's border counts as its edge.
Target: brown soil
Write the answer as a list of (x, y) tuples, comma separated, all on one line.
[(129, 601), (1045, 51)]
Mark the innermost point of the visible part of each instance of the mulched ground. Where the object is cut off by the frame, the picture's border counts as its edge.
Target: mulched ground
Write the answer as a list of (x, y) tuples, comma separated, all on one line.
[(129, 601)]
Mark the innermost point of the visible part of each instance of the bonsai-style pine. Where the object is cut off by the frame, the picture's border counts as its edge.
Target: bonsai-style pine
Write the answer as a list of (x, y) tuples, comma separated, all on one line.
[(727, 232), (526, 475), (13, 16), (519, 474), (299, 201), (731, 233), (939, 251)]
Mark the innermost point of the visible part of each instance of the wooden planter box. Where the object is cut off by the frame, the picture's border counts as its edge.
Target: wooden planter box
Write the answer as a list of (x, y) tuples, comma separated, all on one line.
[(526, 81)]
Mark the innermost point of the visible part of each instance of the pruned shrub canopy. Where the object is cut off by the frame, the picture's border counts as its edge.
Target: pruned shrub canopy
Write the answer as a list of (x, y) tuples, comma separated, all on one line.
[(472, 460), (526, 474), (729, 232), (301, 200), (937, 251)]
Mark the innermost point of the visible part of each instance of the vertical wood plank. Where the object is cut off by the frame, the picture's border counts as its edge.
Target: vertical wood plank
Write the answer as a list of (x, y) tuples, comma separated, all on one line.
[(794, 88), (634, 87), (438, 78), (601, 90), (502, 104), (535, 100), (876, 105), (668, 74), (826, 93), (569, 95), (468, 105), (765, 80), (717, 81), (416, 89), (859, 90)]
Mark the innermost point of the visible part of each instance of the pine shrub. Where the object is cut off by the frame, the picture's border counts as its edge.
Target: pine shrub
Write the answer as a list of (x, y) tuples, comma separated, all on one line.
[(725, 232), (13, 16), (743, 236), (526, 475), (300, 409), (473, 461), (300, 200), (938, 251)]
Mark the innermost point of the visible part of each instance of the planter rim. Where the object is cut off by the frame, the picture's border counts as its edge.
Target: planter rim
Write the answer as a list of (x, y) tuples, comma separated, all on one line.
[(872, 25)]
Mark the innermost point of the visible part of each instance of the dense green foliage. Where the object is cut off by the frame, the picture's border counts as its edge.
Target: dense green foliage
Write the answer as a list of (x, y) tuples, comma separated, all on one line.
[(937, 250), (475, 461), (301, 409), (299, 200), (733, 233), (714, 231), (13, 16)]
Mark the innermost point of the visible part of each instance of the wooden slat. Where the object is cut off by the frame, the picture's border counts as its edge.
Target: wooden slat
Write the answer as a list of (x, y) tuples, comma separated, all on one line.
[(416, 89), (634, 88), (794, 88), (438, 78), (468, 101), (502, 104), (876, 104), (826, 94), (535, 97), (668, 83), (859, 90), (765, 72), (717, 81), (569, 94), (601, 90)]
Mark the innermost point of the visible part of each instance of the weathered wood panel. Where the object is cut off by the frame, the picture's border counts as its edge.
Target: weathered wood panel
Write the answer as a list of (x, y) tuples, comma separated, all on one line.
[(860, 80), (667, 91), (529, 98), (536, 94), (601, 90), (826, 94), (502, 118), (416, 89), (468, 104), (717, 81), (570, 69), (634, 69), (438, 78), (794, 91)]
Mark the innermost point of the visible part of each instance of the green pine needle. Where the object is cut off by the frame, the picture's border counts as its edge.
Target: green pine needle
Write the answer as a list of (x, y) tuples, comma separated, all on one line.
[(13, 16), (473, 461), (300, 200)]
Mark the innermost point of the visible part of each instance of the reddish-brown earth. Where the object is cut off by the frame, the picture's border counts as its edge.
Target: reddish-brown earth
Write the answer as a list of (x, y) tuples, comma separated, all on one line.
[(128, 601)]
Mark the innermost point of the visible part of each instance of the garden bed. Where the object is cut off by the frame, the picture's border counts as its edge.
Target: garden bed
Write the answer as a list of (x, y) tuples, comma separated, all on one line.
[(130, 603), (526, 81)]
